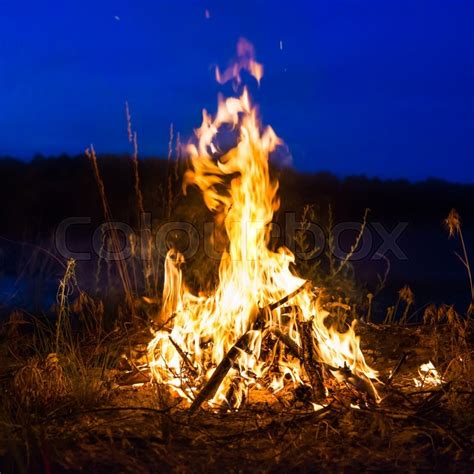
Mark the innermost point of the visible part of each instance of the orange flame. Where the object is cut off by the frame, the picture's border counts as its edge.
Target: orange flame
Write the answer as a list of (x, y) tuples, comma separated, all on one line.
[(245, 60), (237, 186)]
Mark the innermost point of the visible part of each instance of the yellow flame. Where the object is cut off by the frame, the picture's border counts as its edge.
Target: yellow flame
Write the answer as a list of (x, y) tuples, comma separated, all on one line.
[(428, 376), (237, 186)]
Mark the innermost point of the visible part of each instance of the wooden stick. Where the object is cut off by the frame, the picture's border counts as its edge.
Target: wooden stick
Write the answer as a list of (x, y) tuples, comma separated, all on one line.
[(221, 371), (234, 385), (282, 301), (396, 369), (267, 309), (292, 346), (310, 362)]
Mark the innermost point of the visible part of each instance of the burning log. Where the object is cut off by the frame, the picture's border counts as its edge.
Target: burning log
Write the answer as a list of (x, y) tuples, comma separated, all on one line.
[(221, 371), (310, 362)]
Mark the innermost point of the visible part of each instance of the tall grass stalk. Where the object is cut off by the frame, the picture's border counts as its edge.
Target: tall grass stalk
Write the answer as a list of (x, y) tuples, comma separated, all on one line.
[(331, 247), (65, 289), (169, 200), (453, 224), (354, 245), (114, 239), (133, 139)]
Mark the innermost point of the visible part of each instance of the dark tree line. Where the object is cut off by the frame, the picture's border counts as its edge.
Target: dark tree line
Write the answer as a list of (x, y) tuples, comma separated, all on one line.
[(38, 194)]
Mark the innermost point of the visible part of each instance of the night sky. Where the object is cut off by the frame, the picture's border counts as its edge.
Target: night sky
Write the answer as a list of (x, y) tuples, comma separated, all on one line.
[(383, 88)]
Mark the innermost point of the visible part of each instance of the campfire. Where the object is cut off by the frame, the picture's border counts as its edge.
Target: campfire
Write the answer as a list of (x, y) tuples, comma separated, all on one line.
[(259, 359), (263, 326), (179, 301)]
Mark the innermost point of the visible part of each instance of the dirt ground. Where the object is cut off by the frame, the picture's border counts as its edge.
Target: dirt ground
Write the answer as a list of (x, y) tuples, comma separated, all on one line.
[(428, 428)]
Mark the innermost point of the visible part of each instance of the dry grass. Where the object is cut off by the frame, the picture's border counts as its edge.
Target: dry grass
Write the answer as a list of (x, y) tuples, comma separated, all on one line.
[(453, 224), (130, 430)]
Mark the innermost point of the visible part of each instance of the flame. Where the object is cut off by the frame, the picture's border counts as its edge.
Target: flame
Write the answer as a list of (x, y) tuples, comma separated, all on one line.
[(428, 376), (237, 186), (245, 60)]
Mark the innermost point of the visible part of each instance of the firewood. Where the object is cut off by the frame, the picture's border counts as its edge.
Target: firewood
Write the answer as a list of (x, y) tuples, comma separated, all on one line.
[(310, 362), (288, 297), (263, 312), (292, 346), (229, 359), (221, 371)]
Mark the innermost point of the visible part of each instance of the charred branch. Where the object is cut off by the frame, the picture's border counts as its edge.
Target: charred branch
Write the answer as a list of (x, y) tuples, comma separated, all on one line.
[(285, 299), (310, 363)]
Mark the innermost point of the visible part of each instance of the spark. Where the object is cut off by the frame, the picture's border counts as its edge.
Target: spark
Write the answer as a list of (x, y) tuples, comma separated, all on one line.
[(207, 14), (116, 17), (281, 45)]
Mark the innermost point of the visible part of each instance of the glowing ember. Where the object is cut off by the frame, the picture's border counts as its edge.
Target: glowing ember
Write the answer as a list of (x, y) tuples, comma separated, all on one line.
[(237, 186)]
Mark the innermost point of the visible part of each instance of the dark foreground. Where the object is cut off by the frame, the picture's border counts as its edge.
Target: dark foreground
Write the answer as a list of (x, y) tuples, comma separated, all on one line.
[(106, 424)]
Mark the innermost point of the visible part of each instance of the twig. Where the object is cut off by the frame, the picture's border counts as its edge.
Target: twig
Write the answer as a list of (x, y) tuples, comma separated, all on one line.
[(397, 367), (263, 311), (288, 297), (361, 384), (354, 246), (183, 356), (433, 399), (112, 409), (221, 371)]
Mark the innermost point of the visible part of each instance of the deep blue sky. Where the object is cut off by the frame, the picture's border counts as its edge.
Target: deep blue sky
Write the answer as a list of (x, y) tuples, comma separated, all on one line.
[(383, 87)]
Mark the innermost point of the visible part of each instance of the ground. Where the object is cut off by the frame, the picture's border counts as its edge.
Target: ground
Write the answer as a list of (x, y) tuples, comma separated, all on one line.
[(132, 428)]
